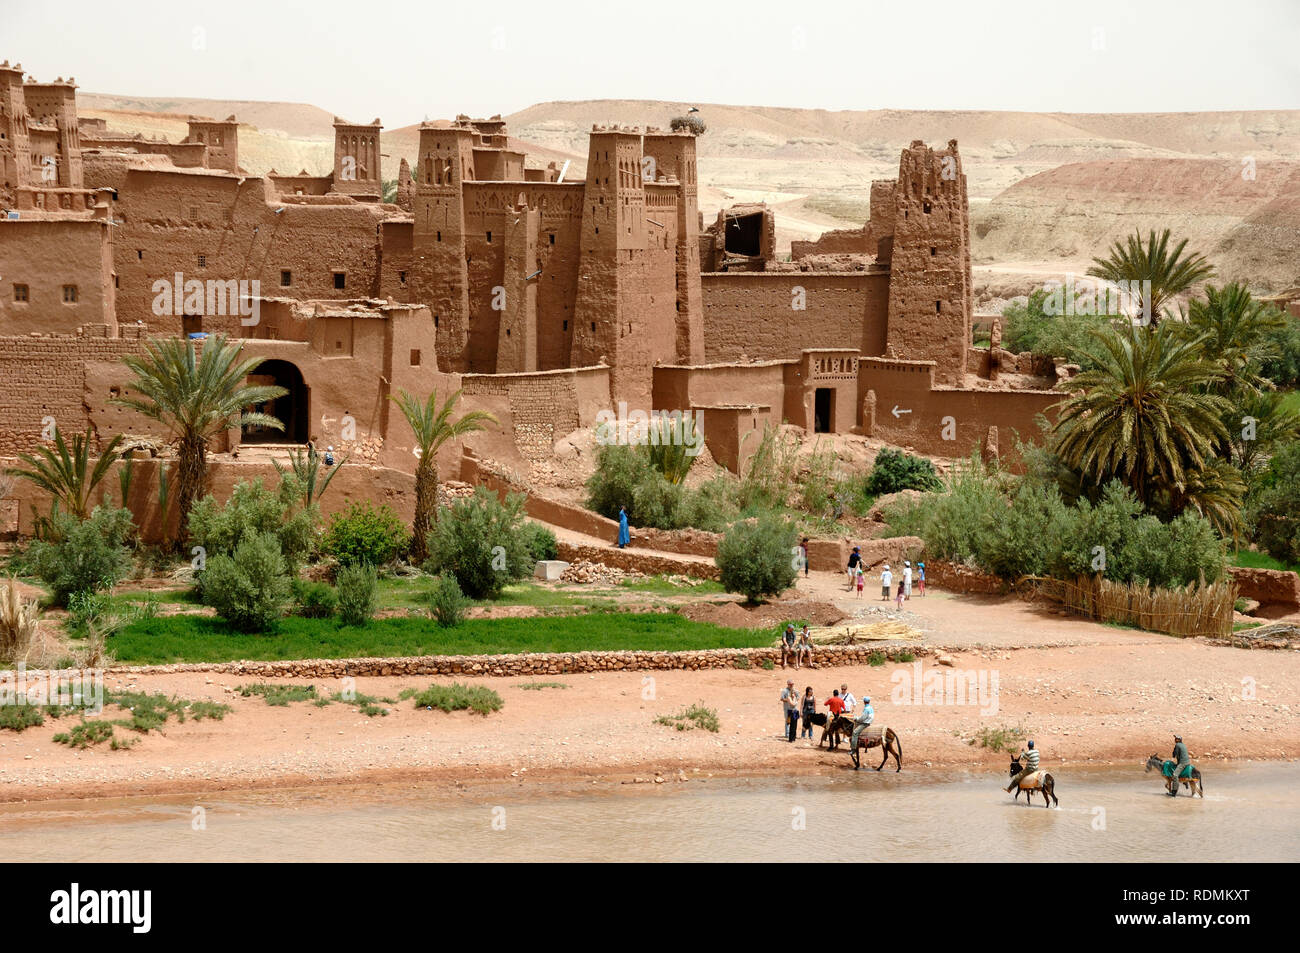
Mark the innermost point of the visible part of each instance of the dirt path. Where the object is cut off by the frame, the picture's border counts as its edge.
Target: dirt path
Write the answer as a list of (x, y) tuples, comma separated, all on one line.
[(1085, 692)]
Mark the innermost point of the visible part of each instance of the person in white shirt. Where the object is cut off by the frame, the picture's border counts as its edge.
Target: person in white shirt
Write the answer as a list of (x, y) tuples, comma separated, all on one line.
[(907, 579), (886, 580), (847, 696)]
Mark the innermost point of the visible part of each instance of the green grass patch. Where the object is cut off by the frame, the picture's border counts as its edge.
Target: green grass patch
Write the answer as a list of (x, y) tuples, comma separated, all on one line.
[(21, 717), (87, 734), (538, 686), (152, 711), (414, 592), (696, 716), (1008, 740), (876, 658), (192, 638), (280, 696), (1249, 559), (1239, 626), (905, 657), (456, 697)]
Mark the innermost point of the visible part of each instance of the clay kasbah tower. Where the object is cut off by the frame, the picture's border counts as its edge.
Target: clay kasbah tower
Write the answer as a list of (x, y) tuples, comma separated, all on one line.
[(455, 433)]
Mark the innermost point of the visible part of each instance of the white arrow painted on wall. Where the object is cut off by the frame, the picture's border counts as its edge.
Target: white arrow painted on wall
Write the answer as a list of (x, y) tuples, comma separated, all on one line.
[(898, 413)]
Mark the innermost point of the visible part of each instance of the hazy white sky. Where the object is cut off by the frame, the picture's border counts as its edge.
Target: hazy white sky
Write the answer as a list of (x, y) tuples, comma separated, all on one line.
[(405, 61)]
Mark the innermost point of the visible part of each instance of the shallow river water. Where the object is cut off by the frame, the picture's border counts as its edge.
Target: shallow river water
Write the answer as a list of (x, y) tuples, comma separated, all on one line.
[(1250, 812)]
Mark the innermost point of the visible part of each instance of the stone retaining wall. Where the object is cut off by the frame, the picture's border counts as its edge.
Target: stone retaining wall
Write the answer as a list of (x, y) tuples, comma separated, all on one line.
[(637, 561), (558, 663)]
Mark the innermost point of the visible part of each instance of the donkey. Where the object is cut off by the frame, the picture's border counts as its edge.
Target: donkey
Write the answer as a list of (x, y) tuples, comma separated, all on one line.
[(1037, 781), (1193, 782)]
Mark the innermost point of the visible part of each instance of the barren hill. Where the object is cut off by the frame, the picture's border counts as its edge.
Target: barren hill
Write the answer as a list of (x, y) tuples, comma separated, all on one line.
[(1247, 225)]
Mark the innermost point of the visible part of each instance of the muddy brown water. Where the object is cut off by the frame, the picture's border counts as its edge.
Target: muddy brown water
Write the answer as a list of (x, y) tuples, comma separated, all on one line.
[(1251, 813)]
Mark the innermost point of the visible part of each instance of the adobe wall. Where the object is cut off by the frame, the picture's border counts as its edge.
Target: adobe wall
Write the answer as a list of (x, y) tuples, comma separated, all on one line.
[(46, 376), (750, 314), (544, 406), (1273, 589), (840, 241), (908, 386), (167, 219), (45, 256)]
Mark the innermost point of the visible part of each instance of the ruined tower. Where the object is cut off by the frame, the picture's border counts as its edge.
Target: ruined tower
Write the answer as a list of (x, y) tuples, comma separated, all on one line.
[(221, 138), (930, 284), (623, 312), (14, 156), (356, 159), (673, 155), (439, 273)]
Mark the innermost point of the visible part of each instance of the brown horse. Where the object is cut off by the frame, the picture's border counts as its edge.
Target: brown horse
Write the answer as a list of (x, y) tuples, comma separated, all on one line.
[(885, 738), (1038, 781), (1194, 784)]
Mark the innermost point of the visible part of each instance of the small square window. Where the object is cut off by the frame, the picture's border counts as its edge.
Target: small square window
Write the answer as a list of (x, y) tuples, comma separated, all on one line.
[(552, 238), (340, 280), (489, 238), (286, 279), (925, 207), (21, 292), (203, 261), (933, 251), (415, 357), (69, 294)]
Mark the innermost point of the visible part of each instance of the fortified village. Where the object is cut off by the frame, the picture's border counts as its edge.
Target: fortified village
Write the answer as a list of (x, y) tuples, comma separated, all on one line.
[(547, 300)]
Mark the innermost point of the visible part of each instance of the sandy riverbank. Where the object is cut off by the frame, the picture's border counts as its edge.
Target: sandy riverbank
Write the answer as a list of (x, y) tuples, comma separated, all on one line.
[(1087, 694)]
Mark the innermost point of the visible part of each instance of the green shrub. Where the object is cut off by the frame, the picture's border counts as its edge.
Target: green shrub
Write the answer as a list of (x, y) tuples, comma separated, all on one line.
[(1027, 327), (250, 588), (447, 603), (482, 542), (366, 534), (254, 510), (1273, 509), (314, 600), (358, 589), (894, 471), (456, 697), (619, 468), (540, 542), (1026, 528), (84, 556), (756, 558), (695, 716)]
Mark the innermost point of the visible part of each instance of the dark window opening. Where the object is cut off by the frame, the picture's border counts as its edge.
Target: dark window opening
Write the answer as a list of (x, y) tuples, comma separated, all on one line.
[(552, 238), (489, 238), (744, 235), (203, 261), (933, 251), (938, 309), (401, 277), (415, 357), (435, 320), (70, 294), (21, 293), (340, 280), (286, 279), (566, 325), (925, 207), (139, 254), (191, 324)]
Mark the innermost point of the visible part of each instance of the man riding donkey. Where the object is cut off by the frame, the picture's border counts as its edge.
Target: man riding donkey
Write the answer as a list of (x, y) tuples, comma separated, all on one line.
[(1182, 767), (862, 722), (1028, 765)]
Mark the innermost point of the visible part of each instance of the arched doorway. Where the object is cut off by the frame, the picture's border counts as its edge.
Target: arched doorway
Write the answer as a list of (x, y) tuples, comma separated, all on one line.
[(290, 410)]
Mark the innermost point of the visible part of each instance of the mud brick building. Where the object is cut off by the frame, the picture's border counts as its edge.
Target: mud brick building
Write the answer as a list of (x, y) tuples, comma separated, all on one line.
[(547, 300)]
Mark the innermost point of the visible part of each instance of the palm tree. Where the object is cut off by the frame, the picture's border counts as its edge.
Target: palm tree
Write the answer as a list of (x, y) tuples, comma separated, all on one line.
[(1143, 415), (1234, 328), (1169, 273), (433, 426), (66, 473), (196, 394), (305, 466)]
